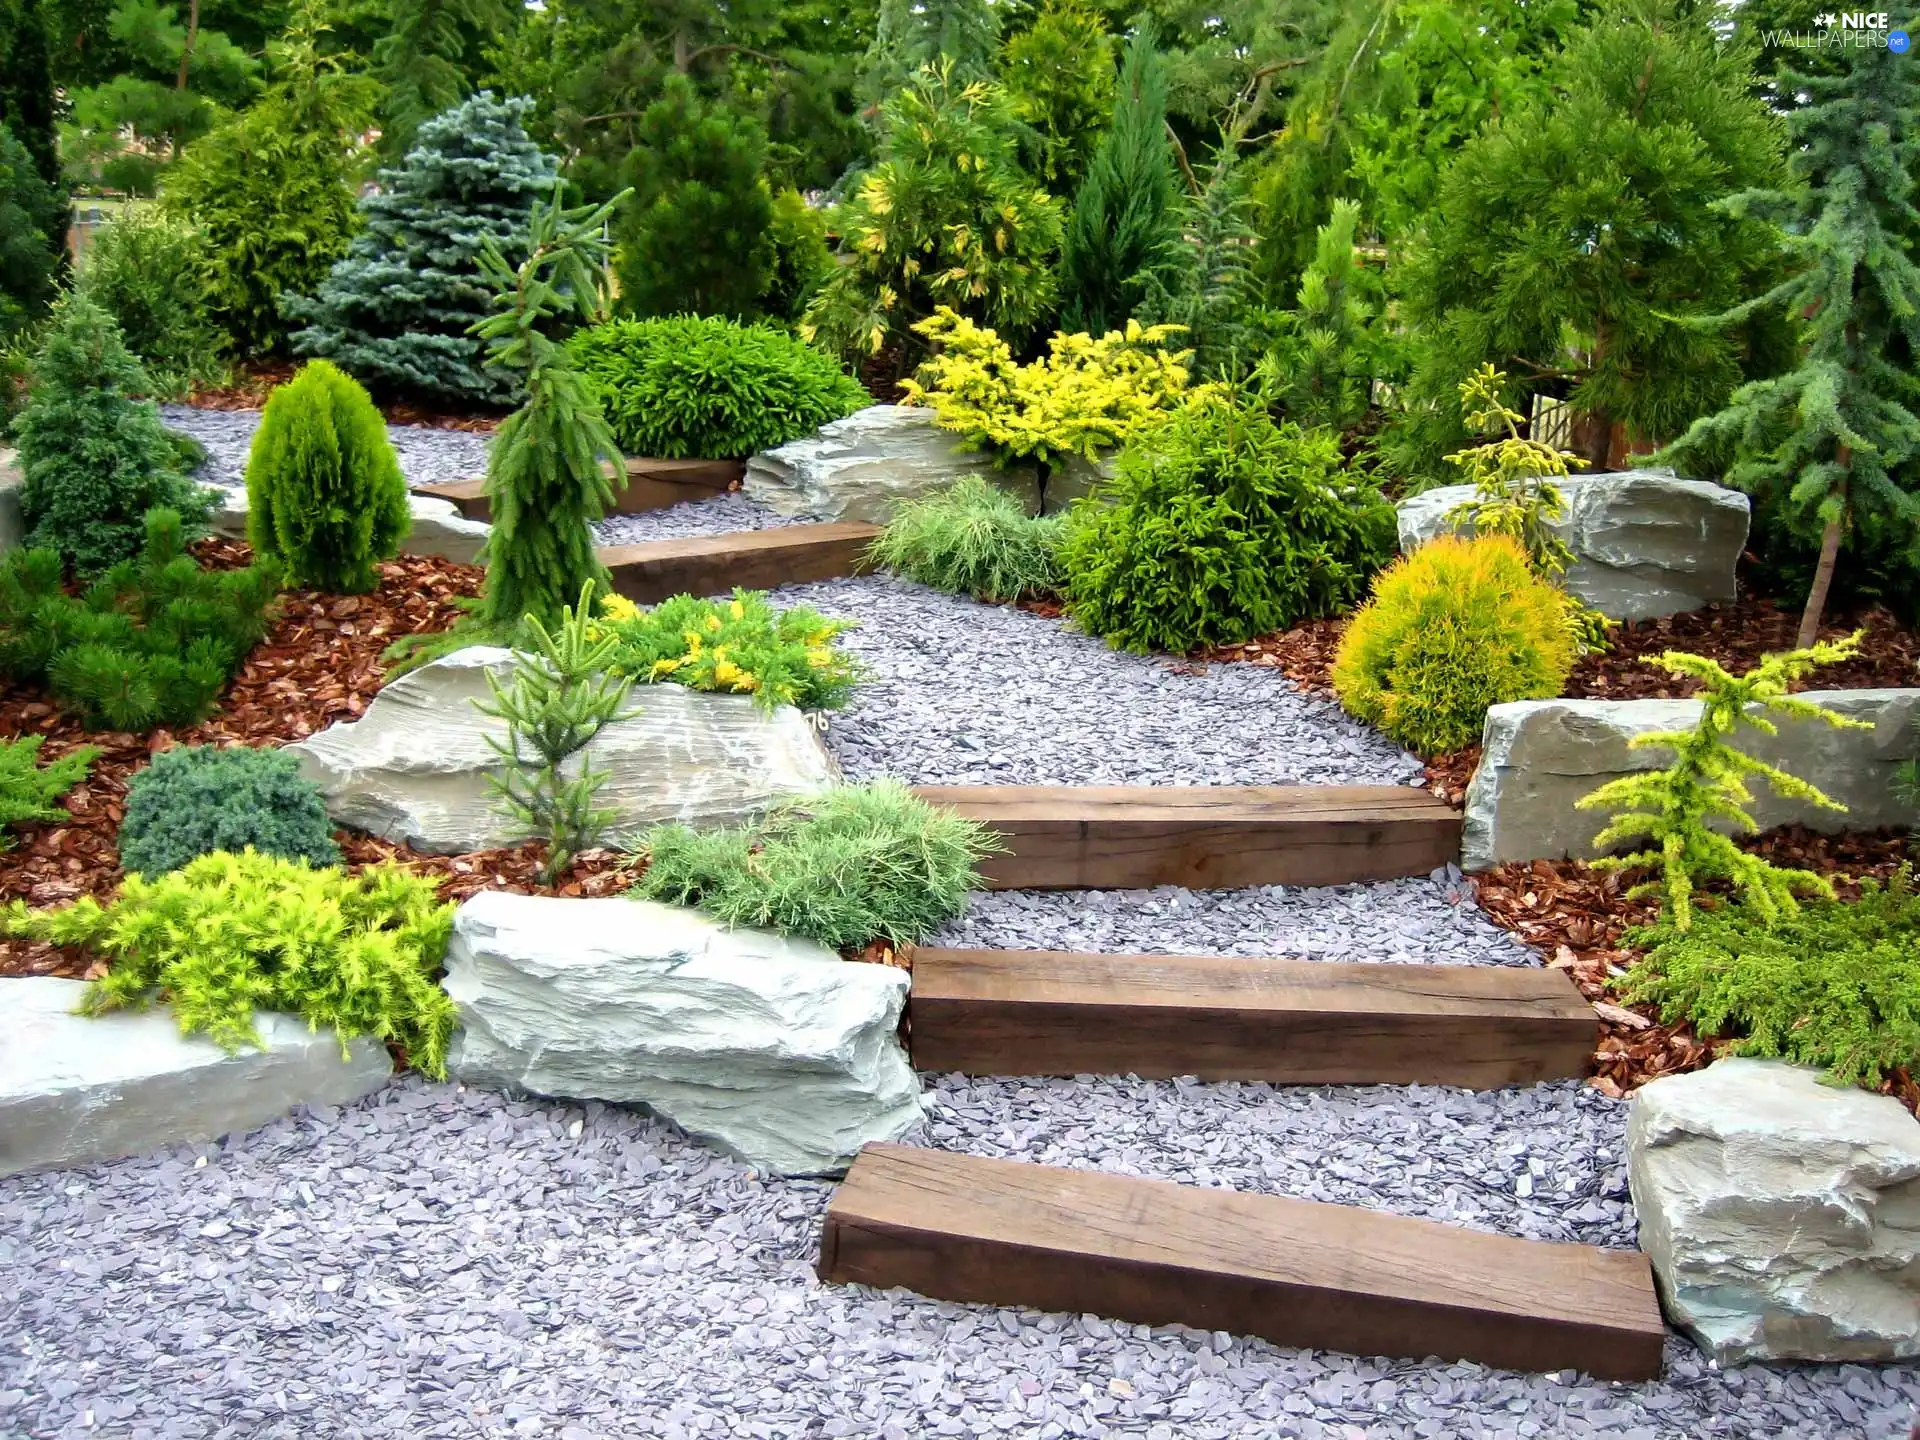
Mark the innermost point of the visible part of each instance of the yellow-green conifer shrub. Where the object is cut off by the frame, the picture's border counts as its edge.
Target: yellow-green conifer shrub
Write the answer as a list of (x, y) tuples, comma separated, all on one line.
[(1452, 629), (325, 495)]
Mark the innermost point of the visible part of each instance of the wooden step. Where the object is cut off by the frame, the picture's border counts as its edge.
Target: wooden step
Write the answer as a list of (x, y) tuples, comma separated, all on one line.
[(753, 559), (649, 485), (1101, 837), (1222, 1017), (1296, 1272)]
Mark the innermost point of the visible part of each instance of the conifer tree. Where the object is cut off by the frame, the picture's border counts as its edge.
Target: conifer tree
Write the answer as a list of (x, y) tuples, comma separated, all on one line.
[(1059, 75), (1324, 362), (426, 60), (1209, 286), (695, 238), (1126, 219), (26, 84), (547, 470), (397, 311), (32, 235), (1835, 442), (909, 35), (1568, 234)]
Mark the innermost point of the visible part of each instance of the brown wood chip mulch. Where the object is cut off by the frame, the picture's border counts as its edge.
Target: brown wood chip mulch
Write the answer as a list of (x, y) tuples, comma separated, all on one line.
[(319, 663), (251, 384)]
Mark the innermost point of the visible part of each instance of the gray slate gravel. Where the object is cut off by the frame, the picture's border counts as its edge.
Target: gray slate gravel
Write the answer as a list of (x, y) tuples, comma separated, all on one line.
[(437, 1263), (427, 456), (444, 1263)]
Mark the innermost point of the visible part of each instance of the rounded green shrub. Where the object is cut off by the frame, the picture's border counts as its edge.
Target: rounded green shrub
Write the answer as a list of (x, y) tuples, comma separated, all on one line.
[(196, 799), (1453, 629), (147, 270), (973, 539), (1223, 525), (695, 387), (325, 494)]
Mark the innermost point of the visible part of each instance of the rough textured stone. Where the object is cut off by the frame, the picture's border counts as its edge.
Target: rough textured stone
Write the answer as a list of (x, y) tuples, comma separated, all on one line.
[(859, 468), (438, 526), (1645, 542), (74, 1090), (415, 766), (1539, 756), (775, 1049), (13, 527), (1072, 479), (1782, 1216)]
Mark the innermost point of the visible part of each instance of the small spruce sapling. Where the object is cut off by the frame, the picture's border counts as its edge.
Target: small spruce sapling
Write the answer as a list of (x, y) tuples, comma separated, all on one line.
[(1668, 811), (563, 694), (28, 788)]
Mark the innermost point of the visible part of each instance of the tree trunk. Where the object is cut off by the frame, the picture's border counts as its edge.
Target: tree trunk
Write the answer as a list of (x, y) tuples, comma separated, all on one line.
[(1822, 582), (186, 52)]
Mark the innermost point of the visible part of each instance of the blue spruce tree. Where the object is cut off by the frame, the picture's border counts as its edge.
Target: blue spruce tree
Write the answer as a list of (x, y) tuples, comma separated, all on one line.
[(396, 313)]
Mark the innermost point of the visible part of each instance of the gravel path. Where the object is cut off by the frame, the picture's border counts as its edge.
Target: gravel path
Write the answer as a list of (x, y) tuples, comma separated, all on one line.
[(439, 1263), (436, 1262), (427, 456)]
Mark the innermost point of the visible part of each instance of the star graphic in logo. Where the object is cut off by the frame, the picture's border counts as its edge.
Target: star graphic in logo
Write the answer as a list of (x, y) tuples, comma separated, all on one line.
[(1826, 21)]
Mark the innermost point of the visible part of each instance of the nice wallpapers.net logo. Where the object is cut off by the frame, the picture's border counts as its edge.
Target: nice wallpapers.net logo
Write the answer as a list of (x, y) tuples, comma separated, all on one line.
[(1843, 29)]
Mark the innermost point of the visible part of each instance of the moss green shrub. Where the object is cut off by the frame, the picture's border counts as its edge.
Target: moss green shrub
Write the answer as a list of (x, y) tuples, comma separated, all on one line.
[(231, 933), (1454, 628), (28, 788), (151, 642), (148, 271), (1668, 811), (325, 496), (741, 646), (1832, 984), (93, 458), (973, 539), (1222, 525), (702, 387), (854, 864), (196, 799)]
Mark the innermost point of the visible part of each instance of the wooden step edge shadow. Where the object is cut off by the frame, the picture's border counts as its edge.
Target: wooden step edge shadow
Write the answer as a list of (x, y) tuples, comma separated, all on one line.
[(1064, 837), (1218, 1017), (647, 485), (652, 571), (1299, 1273)]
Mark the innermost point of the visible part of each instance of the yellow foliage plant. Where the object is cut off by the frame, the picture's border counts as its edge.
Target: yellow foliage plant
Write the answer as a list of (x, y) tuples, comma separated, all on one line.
[(1453, 629), (1084, 396)]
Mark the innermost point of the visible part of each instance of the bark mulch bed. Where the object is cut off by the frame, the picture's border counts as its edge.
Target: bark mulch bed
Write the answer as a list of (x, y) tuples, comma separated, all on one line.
[(251, 384), (319, 663), (1577, 918)]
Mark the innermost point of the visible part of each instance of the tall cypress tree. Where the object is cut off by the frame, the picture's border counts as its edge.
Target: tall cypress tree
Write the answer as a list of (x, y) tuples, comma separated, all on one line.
[(1835, 442), (1126, 219), (398, 311)]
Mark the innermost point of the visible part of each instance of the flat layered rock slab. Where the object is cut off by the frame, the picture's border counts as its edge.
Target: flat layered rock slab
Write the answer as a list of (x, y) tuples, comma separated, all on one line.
[(648, 485), (1204, 837), (1295, 1272), (750, 559), (1221, 1017), (76, 1089)]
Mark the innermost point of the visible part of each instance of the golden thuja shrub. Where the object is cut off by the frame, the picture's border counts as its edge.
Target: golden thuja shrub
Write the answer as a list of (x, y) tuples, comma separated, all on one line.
[(1454, 628)]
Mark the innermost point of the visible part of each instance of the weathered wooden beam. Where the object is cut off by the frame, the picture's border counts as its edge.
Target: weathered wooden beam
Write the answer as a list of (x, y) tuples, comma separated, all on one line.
[(754, 559), (648, 485)]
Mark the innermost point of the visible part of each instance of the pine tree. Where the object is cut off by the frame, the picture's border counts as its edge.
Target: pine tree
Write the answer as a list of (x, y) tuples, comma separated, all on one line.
[(909, 35), (1569, 233), (1835, 440), (95, 459), (427, 59), (398, 311), (1126, 219), (26, 86), (1324, 362), (695, 238), (547, 470)]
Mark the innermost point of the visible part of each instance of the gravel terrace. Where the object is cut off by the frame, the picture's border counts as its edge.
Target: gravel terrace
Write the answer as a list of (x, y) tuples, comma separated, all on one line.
[(437, 1262)]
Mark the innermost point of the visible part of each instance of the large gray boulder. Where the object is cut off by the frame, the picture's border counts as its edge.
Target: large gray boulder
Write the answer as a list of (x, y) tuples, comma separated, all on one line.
[(1540, 756), (1074, 478), (438, 526), (1645, 542), (775, 1049), (1782, 1216), (859, 468), (414, 768), (74, 1090)]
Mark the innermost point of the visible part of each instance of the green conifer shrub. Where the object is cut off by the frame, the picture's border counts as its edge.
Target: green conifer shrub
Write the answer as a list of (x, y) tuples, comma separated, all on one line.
[(1452, 630), (228, 933), (695, 238), (151, 642), (973, 539), (1832, 983), (1325, 356), (397, 311), (740, 646), (28, 788), (325, 496), (428, 58), (33, 236), (1059, 76), (147, 271), (196, 799), (1208, 286), (1668, 812), (704, 387), (854, 864), (800, 261), (1222, 525), (93, 458)]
